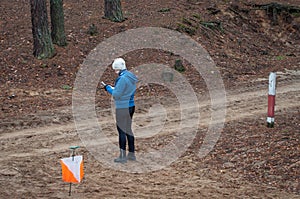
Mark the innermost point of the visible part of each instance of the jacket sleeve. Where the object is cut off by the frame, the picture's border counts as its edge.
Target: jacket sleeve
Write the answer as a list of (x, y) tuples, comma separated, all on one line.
[(109, 89), (118, 90)]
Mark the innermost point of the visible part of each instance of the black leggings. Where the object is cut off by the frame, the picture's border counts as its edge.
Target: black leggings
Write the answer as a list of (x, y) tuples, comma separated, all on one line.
[(124, 122)]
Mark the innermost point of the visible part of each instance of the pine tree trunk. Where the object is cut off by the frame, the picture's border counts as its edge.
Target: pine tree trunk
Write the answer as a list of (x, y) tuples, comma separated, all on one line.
[(113, 10), (42, 42), (57, 22)]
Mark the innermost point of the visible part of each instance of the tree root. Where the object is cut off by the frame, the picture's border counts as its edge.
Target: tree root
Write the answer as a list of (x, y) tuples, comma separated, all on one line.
[(274, 9)]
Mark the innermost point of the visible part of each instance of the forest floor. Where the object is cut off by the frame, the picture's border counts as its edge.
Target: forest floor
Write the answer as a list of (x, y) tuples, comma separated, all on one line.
[(249, 160)]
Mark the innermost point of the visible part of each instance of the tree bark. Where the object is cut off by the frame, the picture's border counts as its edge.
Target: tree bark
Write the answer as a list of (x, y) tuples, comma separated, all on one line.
[(57, 22), (113, 10), (42, 42)]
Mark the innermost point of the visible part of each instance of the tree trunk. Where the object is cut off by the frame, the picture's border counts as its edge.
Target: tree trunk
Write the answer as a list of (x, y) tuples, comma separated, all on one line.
[(113, 10), (57, 22), (42, 42)]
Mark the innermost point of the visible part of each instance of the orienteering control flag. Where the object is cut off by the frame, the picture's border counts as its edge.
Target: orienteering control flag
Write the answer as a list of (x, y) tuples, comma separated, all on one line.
[(72, 169)]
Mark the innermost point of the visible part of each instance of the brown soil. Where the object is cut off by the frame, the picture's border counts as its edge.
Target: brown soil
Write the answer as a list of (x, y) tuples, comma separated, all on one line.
[(248, 161)]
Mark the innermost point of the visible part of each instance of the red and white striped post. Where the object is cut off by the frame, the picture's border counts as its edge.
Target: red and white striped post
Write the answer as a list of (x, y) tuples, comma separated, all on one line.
[(271, 100)]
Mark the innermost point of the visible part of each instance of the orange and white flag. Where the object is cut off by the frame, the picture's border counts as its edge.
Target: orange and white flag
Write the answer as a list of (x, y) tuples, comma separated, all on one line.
[(72, 169)]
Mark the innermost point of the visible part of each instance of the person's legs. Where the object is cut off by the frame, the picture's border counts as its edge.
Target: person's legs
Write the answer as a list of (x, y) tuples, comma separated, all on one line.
[(124, 123), (121, 127), (129, 133), (122, 138), (130, 136)]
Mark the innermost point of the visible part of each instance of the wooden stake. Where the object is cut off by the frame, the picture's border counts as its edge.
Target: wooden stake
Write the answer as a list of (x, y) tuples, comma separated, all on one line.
[(271, 100)]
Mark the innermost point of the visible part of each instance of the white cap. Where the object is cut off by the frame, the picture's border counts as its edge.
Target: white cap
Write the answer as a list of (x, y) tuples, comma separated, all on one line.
[(119, 64)]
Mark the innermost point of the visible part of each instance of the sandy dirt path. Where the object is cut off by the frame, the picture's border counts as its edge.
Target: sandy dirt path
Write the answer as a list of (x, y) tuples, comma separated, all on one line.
[(30, 156)]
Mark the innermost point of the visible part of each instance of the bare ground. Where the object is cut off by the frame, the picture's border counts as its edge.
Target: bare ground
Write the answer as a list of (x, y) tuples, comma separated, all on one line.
[(248, 161)]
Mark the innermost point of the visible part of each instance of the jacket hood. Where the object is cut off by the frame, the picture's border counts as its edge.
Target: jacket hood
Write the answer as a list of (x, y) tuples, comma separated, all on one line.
[(129, 75)]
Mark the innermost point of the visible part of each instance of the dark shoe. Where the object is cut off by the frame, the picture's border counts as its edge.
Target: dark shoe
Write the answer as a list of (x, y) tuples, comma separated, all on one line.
[(122, 158), (131, 156)]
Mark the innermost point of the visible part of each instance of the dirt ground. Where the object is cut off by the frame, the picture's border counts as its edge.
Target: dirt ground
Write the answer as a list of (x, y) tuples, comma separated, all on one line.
[(249, 160)]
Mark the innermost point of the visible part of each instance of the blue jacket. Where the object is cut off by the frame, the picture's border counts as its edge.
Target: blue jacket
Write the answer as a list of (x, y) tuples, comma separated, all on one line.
[(124, 89)]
